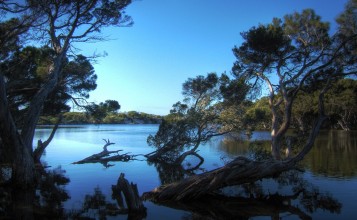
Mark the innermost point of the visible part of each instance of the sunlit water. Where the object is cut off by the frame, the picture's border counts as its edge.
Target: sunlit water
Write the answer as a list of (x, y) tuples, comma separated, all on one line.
[(331, 165)]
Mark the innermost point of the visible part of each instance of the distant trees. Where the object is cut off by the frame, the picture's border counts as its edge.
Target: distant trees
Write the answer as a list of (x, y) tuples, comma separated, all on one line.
[(57, 24), (110, 118), (340, 106), (103, 109)]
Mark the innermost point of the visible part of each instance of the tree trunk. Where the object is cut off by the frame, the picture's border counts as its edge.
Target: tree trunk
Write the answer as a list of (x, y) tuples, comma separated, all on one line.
[(20, 156), (240, 170), (20, 146), (343, 124), (41, 146), (35, 108), (183, 156)]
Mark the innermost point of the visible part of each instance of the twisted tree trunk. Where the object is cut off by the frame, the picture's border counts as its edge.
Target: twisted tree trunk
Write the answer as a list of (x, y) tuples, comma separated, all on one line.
[(240, 170)]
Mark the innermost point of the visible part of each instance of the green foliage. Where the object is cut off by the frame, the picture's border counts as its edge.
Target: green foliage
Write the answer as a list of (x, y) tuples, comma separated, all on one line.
[(260, 150), (110, 118), (258, 115), (9, 37), (26, 72), (348, 27), (306, 30), (341, 104), (201, 116), (99, 112)]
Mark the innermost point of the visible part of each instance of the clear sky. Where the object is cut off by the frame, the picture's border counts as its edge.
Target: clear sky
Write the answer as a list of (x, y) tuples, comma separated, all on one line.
[(173, 40)]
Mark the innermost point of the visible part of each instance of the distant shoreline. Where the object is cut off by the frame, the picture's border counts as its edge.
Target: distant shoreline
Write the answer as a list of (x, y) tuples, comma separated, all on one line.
[(82, 118)]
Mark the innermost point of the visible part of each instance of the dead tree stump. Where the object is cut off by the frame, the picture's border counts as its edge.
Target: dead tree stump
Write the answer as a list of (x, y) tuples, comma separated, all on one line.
[(135, 206)]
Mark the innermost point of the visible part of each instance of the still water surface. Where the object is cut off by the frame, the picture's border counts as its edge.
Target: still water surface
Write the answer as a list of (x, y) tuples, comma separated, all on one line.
[(331, 168)]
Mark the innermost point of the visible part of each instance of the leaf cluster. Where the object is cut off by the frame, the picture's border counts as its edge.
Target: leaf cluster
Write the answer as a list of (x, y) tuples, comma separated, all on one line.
[(27, 70)]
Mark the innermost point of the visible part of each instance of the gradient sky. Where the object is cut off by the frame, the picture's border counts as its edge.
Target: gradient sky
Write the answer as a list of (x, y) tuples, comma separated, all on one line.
[(173, 40)]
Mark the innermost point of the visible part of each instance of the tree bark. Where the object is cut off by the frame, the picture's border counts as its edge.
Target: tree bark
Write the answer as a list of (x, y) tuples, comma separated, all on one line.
[(240, 170), (133, 201), (22, 162), (183, 156), (34, 111), (41, 146)]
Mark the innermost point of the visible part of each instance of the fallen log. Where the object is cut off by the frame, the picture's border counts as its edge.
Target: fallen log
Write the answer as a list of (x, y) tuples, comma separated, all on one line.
[(250, 200), (240, 170), (105, 156)]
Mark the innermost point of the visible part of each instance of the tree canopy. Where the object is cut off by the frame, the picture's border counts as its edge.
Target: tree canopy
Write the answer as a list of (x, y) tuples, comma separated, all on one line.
[(287, 55), (56, 26), (26, 72), (197, 119)]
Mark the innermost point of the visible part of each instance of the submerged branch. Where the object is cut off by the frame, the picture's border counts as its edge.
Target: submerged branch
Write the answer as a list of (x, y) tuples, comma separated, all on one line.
[(106, 156)]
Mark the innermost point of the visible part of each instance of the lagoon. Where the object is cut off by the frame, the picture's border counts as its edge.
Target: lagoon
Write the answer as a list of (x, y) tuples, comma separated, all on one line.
[(330, 169)]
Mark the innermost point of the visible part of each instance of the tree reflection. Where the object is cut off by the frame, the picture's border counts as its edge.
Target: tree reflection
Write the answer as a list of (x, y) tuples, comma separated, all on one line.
[(334, 154), (169, 173), (252, 200), (43, 202)]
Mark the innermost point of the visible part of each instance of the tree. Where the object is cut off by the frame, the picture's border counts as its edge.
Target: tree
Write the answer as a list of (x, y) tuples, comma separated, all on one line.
[(257, 115), (299, 51), (193, 122), (25, 72), (58, 24), (341, 104), (99, 112)]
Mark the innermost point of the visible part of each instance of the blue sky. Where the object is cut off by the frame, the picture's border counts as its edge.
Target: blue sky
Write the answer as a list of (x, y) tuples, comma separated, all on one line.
[(173, 40)]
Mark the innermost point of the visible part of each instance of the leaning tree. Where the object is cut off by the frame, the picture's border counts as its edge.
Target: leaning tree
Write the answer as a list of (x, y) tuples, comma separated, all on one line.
[(26, 73), (195, 121), (283, 56), (58, 24)]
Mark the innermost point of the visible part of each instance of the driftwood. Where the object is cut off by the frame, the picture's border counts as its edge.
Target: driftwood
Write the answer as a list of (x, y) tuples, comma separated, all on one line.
[(131, 194), (135, 206), (105, 156)]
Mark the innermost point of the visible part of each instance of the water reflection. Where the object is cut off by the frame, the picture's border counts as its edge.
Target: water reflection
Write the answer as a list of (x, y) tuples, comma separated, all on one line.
[(169, 173), (72, 144), (301, 199), (44, 202), (333, 155), (96, 205)]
